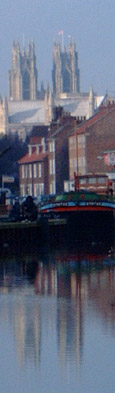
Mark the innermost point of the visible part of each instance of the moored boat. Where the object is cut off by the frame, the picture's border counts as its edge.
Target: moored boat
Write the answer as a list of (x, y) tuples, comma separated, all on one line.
[(78, 201), (87, 213)]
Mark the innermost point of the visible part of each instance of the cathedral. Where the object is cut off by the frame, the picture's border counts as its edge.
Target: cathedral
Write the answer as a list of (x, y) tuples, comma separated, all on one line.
[(23, 74), (27, 106), (65, 74)]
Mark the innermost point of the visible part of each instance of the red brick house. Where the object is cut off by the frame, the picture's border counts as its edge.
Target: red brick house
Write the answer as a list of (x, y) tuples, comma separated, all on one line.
[(58, 151), (45, 167), (92, 145), (33, 168), (51, 160)]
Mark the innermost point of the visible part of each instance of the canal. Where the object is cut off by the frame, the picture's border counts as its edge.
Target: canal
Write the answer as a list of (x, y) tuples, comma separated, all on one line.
[(57, 318)]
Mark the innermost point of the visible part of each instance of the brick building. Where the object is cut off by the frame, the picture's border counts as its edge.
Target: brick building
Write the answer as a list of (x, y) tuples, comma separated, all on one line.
[(33, 168), (51, 160), (92, 145), (58, 158), (45, 167)]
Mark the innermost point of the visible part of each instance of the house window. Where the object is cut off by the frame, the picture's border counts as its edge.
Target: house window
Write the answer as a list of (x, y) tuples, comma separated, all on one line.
[(35, 170), (30, 171), (41, 188), (30, 149), (52, 167), (26, 171), (22, 190), (36, 190), (81, 141), (52, 146), (38, 149), (81, 165), (72, 143), (40, 169), (73, 163), (30, 189), (23, 171), (52, 188)]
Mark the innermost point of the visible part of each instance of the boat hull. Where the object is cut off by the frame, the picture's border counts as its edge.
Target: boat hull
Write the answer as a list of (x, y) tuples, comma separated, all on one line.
[(89, 221)]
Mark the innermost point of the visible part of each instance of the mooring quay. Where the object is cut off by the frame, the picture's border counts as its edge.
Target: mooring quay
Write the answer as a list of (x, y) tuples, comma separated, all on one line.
[(25, 233)]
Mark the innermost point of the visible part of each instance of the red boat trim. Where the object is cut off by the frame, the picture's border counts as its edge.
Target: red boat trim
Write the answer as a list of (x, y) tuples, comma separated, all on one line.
[(77, 209)]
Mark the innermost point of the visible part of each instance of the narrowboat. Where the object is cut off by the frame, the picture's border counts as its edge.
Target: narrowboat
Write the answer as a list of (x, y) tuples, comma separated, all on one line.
[(84, 211)]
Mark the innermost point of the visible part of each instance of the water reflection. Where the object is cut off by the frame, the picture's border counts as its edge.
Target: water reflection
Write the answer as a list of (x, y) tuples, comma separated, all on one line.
[(49, 299)]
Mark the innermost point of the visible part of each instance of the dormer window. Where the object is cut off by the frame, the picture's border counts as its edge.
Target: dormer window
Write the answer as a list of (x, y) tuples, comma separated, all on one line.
[(30, 150), (38, 149), (43, 145)]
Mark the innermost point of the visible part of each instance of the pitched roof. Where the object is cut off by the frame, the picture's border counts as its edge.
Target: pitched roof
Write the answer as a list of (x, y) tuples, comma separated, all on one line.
[(103, 112), (26, 112), (77, 104), (31, 158), (39, 131)]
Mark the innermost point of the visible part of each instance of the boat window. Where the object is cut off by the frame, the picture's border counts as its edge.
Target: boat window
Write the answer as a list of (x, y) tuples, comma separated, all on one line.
[(92, 180), (101, 180), (82, 181)]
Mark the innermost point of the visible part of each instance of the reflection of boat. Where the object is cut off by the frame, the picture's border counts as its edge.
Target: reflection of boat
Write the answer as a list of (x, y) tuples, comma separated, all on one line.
[(70, 267), (84, 261)]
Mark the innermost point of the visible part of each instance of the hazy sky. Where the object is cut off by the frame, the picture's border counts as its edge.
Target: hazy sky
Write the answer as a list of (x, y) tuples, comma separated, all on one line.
[(90, 22)]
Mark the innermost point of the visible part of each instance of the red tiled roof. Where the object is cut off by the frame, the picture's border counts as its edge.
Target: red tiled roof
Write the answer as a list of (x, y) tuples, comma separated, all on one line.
[(29, 158)]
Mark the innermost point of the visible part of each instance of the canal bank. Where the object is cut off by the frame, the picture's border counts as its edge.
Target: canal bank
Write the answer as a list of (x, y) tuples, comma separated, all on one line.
[(26, 234), (55, 231)]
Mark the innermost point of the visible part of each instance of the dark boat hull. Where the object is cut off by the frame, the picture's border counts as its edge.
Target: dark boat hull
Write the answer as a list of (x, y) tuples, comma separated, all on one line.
[(91, 225), (85, 221)]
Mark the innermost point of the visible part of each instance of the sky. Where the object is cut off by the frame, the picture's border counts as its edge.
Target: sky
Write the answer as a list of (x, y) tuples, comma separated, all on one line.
[(91, 23)]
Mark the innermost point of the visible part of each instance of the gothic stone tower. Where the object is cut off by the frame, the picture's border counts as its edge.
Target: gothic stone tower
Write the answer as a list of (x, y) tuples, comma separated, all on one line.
[(23, 74), (3, 116), (65, 74)]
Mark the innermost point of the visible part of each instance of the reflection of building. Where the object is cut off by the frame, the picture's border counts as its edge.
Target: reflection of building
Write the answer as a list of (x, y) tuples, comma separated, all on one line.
[(65, 70), (70, 330), (101, 288), (69, 317), (27, 327), (73, 286), (46, 281)]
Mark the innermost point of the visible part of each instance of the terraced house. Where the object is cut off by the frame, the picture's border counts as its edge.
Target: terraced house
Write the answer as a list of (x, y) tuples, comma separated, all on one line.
[(92, 147), (70, 146), (33, 168)]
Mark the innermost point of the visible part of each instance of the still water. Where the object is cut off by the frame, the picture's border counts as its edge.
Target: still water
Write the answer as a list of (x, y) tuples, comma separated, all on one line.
[(57, 320)]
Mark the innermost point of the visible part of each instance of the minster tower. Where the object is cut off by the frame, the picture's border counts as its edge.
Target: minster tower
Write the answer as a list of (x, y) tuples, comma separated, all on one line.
[(23, 74), (65, 74)]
